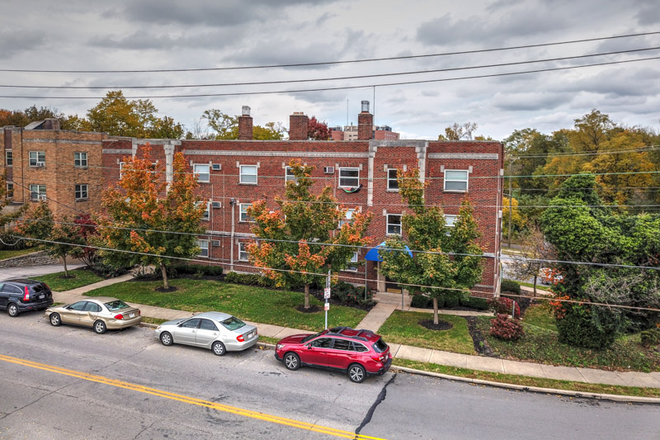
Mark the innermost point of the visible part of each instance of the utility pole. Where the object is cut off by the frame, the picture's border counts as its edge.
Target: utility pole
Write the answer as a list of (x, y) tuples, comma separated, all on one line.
[(510, 204)]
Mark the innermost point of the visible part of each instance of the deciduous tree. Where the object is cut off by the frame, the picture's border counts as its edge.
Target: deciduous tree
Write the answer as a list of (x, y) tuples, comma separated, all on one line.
[(149, 219), (302, 239), (317, 130), (446, 260)]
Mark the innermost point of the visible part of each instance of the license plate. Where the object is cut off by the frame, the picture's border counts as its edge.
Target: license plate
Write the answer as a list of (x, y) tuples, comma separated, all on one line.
[(131, 315), (250, 335), (42, 296)]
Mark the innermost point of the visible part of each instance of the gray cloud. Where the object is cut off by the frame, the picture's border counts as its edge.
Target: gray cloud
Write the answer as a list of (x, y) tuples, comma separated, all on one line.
[(147, 40), (17, 41), (530, 101)]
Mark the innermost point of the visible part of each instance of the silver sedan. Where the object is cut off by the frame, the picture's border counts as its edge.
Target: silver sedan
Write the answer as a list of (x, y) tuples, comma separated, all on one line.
[(217, 331)]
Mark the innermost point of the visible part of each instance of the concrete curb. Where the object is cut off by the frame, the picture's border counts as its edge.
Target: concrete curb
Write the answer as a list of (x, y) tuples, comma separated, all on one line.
[(509, 386), (576, 394)]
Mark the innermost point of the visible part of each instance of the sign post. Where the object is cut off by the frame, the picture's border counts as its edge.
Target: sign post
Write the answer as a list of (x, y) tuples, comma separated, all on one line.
[(326, 296)]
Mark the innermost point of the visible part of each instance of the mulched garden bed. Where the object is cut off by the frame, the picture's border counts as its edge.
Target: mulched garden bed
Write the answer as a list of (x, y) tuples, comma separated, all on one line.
[(480, 343), (441, 325)]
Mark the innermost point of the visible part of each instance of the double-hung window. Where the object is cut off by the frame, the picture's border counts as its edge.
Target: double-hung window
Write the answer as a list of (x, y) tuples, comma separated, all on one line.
[(353, 267), (242, 251), (10, 190), (349, 177), (392, 182), (37, 192), (202, 171), (81, 192), (9, 158), (248, 174), (244, 217), (37, 158), (203, 246), (450, 220), (80, 160), (289, 176), (348, 217), (206, 215), (393, 224), (456, 180)]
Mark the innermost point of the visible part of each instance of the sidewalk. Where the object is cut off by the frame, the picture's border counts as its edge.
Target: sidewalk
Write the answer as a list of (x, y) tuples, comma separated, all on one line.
[(379, 314)]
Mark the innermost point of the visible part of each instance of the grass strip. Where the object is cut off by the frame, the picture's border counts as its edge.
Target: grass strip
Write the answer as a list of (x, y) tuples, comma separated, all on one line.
[(530, 381), (78, 278)]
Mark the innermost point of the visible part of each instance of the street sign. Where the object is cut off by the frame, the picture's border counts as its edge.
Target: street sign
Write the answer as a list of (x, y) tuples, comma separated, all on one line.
[(326, 293), (326, 307)]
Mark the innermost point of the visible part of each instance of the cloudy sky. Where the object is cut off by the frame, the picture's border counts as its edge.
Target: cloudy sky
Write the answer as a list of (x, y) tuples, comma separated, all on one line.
[(138, 35)]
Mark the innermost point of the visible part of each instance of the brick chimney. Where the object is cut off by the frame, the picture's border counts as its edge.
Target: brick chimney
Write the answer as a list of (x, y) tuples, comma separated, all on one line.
[(51, 124), (245, 132), (298, 126), (365, 123)]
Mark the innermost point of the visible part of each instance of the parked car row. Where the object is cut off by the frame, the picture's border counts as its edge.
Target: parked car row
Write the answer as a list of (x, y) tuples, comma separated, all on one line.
[(358, 353)]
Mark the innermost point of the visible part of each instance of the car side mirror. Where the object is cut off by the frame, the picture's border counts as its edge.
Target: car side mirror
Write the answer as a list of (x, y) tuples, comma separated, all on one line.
[(309, 347)]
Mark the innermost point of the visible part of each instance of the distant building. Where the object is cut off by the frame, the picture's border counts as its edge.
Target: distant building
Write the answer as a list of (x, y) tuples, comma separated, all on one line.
[(350, 133)]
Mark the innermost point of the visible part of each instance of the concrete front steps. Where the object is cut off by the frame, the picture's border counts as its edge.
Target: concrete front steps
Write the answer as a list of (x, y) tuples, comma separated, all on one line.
[(393, 298)]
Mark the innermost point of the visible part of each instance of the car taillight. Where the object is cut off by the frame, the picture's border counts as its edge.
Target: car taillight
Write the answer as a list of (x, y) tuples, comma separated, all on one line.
[(26, 296), (120, 316), (139, 312), (240, 338), (379, 358)]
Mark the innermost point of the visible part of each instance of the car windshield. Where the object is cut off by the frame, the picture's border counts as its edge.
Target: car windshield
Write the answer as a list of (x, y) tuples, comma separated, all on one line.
[(380, 346), (116, 305), (232, 323), (311, 337)]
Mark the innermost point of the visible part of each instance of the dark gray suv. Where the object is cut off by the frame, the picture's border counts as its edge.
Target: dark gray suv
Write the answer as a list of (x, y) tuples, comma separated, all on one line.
[(22, 295)]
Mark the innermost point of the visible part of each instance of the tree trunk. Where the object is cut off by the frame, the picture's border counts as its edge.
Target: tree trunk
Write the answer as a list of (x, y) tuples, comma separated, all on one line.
[(436, 321), (163, 270), (307, 296), (66, 270), (535, 277)]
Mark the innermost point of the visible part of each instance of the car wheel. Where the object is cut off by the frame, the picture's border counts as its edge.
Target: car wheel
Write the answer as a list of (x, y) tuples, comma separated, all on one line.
[(291, 361), (12, 310), (357, 373), (218, 348), (100, 327), (55, 319), (166, 339)]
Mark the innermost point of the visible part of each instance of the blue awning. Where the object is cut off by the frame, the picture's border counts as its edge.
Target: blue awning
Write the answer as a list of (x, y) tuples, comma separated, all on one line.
[(372, 255)]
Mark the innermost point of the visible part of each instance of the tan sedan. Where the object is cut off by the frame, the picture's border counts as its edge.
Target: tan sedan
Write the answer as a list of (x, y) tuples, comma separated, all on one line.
[(100, 313)]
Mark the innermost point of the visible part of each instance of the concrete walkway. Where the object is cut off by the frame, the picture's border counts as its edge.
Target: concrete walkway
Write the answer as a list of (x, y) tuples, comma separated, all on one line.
[(377, 316)]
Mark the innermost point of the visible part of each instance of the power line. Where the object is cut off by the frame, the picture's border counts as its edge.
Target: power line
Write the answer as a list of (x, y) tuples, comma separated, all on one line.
[(320, 89), (338, 78), (326, 63)]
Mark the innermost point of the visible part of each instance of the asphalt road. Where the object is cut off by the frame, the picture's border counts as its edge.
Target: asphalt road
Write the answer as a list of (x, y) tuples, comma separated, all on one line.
[(69, 383)]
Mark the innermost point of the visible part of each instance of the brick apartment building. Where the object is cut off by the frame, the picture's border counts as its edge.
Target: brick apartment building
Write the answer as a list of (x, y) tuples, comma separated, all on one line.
[(235, 173)]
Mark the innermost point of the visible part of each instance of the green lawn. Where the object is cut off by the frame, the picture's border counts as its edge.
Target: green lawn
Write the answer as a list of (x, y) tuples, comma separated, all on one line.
[(11, 254), (540, 316), (404, 328), (541, 345), (251, 303), (80, 277)]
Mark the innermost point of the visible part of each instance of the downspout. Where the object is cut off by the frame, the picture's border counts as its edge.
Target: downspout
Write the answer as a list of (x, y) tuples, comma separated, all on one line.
[(232, 202)]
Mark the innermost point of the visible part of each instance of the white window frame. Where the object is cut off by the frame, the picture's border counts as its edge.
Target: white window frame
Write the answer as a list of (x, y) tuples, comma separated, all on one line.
[(35, 188), (9, 158), (288, 176), (121, 169), (37, 157), (399, 225), (206, 216), (390, 180), (80, 159), (78, 188), (10, 190), (450, 220), (354, 259), (456, 180), (203, 246), (243, 175), (348, 216), (342, 179), (243, 254), (243, 216), (199, 173)]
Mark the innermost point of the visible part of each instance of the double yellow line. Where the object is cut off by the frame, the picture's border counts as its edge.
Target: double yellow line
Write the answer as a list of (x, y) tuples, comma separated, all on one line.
[(189, 400)]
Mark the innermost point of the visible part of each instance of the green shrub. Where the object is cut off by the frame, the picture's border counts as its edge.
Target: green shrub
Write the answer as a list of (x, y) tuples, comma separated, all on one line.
[(650, 338), (505, 328), (194, 269), (106, 271), (452, 300), (421, 301), (13, 243), (349, 295), (249, 279), (510, 286), (504, 306), (578, 329), (475, 302)]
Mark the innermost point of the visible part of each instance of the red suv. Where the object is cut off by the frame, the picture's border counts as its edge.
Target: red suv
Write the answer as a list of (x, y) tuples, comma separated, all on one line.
[(360, 353)]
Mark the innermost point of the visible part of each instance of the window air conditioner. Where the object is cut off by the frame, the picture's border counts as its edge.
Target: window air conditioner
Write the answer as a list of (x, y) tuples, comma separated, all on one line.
[(328, 170), (216, 167), (216, 204), (40, 164), (215, 242)]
